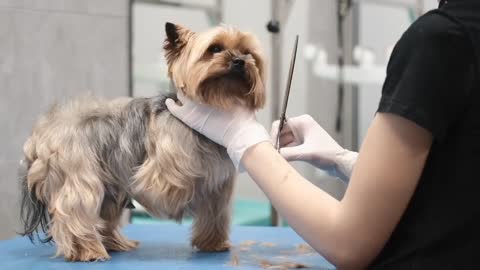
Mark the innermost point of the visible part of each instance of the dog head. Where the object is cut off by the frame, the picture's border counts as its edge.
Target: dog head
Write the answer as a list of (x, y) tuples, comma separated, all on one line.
[(220, 67)]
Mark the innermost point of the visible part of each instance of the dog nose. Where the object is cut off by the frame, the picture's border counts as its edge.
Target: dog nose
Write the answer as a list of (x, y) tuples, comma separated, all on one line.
[(238, 63)]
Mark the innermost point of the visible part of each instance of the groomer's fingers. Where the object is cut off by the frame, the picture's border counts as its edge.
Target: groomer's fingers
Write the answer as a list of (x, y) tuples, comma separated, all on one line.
[(286, 128), (274, 130), (287, 140), (181, 96), (296, 127), (293, 153), (173, 107)]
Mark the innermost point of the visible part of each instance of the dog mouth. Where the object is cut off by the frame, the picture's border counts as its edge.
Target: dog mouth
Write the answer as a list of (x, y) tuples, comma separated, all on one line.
[(229, 79), (235, 74), (229, 84)]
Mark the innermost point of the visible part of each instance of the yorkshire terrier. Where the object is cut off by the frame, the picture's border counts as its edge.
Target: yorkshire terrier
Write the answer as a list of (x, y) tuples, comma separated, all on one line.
[(87, 158)]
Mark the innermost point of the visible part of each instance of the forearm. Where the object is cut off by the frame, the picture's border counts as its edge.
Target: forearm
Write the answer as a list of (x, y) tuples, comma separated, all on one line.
[(308, 209)]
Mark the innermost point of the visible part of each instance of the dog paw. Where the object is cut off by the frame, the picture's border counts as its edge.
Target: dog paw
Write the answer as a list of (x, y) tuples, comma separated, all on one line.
[(122, 246), (225, 246), (88, 256), (100, 259)]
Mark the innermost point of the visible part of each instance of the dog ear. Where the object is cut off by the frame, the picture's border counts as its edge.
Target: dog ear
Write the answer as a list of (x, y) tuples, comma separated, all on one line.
[(177, 38)]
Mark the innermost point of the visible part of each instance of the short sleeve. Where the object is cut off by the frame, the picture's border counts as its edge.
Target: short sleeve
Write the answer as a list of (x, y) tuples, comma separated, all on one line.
[(429, 75)]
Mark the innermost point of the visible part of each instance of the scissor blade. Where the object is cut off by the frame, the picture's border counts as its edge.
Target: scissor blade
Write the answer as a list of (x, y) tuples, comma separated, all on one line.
[(287, 93)]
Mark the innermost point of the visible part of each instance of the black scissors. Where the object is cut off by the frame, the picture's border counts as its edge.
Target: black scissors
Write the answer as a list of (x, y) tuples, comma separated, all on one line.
[(283, 117)]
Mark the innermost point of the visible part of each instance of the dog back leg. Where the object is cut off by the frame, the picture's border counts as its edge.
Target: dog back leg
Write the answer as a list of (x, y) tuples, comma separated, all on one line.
[(111, 212), (116, 241), (76, 224)]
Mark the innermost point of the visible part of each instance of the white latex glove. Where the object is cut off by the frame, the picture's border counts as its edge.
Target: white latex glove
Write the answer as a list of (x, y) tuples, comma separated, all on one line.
[(303, 139), (237, 130)]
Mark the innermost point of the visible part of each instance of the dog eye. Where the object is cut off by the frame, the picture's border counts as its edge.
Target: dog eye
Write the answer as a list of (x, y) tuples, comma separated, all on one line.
[(215, 48)]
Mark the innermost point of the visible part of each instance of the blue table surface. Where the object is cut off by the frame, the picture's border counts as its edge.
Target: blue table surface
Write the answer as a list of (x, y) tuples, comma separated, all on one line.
[(167, 247)]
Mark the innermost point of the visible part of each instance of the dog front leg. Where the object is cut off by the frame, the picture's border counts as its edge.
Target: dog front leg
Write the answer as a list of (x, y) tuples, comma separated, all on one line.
[(212, 214)]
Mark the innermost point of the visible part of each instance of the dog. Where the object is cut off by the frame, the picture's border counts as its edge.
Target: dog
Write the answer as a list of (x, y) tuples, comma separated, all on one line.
[(88, 157)]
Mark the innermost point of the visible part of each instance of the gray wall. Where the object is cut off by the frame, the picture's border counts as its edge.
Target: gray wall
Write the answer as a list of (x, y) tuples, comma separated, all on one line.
[(50, 50)]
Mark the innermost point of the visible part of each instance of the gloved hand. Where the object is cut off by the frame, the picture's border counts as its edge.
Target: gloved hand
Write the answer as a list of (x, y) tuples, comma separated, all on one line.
[(303, 139), (237, 130)]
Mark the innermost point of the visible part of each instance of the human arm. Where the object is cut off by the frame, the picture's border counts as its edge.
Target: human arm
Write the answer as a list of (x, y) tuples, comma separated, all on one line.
[(350, 232)]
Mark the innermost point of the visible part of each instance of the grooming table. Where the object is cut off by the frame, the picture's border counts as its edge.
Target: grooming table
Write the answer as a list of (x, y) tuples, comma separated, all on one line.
[(167, 247)]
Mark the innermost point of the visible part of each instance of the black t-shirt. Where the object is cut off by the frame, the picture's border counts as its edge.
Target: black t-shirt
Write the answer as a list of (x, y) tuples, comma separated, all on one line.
[(433, 80)]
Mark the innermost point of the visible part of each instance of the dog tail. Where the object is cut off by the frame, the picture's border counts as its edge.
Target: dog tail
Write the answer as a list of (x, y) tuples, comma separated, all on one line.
[(33, 210)]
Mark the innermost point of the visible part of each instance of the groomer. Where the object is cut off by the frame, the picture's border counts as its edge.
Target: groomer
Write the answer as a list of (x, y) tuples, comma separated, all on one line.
[(413, 200)]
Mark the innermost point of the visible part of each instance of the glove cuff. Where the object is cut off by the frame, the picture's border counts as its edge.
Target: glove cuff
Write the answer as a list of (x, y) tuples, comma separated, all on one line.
[(345, 163), (247, 137)]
